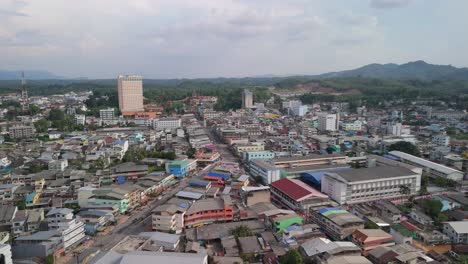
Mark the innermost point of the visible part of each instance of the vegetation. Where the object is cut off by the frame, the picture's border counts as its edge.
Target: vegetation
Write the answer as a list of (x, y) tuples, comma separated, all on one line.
[(405, 147), (292, 257), (37, 167), (371, 225), (432, 207), (444, 182), (21, 204), (241, 231), (405, 190), (137, 154), (49, 259)]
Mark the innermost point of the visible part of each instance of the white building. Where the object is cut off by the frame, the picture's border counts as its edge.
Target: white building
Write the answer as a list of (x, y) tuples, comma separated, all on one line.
[(167, 123), (394, 129), (263, 170), (457, 231), (80, 119), (107, 114), (327, 122), (355, 126), (441, 140), (300, 110), (247, 99), (5, 254), (59, 165), (370, 184), (72, 231), (429, 168)]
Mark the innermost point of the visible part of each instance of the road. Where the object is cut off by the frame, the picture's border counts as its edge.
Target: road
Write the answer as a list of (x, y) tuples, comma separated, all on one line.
[(140, 221)]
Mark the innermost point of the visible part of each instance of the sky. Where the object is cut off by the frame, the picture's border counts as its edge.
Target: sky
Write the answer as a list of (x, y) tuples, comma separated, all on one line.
[(227, 38)]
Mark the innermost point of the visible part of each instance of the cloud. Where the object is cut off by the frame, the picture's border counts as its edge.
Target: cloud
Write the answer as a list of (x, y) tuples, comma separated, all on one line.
[(389, 3)]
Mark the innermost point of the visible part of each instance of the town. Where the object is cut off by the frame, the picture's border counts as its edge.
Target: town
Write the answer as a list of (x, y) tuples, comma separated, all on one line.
[(279, 181)]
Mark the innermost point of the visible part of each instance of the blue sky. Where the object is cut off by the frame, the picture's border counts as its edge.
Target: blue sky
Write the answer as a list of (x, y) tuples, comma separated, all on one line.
[(228, 38)]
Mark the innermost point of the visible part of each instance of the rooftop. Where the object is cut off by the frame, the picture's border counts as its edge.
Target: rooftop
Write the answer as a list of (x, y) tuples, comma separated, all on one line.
[(423, 162), (296, 189), (368, 174), (460, 227)]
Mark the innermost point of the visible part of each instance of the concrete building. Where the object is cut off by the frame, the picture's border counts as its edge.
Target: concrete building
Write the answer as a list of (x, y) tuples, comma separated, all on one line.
[(327, 122), (296, 195), (300, 110), (247, 99), (130, 92), (107, 114), (264, 171), (208, 211), (80, 120), (40, 244), (181, 168), (167, 123), (169, 217), (58, 165), (5, 254), (22, 131), (61, 219), (441, 140), (368, 239), (429, 168), (251, 155), (457, 231), (370, 184), (336, 222)]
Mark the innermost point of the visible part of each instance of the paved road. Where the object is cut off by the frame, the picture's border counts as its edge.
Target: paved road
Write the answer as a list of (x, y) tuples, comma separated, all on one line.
[(140, 221)]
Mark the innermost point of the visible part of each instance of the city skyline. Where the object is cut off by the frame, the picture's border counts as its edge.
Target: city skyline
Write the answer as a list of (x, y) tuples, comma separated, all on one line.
[(230, 38)]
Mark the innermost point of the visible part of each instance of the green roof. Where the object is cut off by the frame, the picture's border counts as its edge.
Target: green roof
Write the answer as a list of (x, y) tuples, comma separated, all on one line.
[(332, 212)]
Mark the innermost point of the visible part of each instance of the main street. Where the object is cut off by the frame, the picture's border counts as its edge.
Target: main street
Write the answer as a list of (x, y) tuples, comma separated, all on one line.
[(139, 221)]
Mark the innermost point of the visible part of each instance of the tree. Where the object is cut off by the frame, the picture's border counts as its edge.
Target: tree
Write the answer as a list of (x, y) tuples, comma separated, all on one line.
[(56, 114), (21, 204), (462, 259), (49, 259), (292, 257), (405, 190), (371, 225), (102, 163), (191, 152), (41, 125), (432, 207), (405, 147), (241, 231)]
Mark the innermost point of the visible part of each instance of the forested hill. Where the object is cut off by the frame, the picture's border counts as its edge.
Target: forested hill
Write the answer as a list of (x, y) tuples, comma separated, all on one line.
[(417, 70)]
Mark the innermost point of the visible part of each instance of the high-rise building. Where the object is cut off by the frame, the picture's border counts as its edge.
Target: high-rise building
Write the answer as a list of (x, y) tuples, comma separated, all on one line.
[(130, 88), (247, 99), (327, 122)]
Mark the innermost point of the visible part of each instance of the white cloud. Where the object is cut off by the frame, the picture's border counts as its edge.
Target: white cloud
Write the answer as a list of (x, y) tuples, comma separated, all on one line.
[(389, 3)]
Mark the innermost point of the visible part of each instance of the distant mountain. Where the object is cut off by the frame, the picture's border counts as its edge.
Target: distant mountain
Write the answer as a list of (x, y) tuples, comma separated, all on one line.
[(417, 70), (29, 75)]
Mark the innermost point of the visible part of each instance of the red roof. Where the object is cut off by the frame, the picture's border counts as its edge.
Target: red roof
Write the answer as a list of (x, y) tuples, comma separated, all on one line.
[(409, 225), (290, 188)]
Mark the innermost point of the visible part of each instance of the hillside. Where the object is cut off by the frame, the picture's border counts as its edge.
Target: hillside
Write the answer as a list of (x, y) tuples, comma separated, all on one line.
[(29, 74), (417, 70)]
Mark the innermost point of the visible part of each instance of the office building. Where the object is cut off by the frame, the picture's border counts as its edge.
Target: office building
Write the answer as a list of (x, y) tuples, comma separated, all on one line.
[(167, 123), (247, 99), (457, 231), (22, 131), (370, 184), (107, 114), (130, 91), (327, 122)]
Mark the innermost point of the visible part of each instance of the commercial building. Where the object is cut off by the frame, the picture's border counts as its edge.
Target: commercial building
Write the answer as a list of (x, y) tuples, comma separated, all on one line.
[(167, 123), (327, 122), (39, 244), (251, 155), (208, 211), (320, 249), (169, 217), (70, 230), (296, 195), (181, 168), (370, 184), (457, 231), (264, 171), (80, 120), (247, 99), (336, 222), (130, 92), (21, 131), (429, 168), (107, 114)]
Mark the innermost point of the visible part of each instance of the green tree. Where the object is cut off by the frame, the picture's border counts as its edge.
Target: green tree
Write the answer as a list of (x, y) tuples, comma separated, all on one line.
[(371, 225), (41, 125), (56, 114), (191, 152), (432, 207), (462, 259), (241, 231), (49, 259), (405, 190), (405, 147), (21, 204), (292, 257)]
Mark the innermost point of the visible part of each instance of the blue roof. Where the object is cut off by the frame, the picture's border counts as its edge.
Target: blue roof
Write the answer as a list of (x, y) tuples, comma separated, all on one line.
[(198, 183), (315, 177), (223, 176), (324, 210), (119, 142), (388, 156)]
